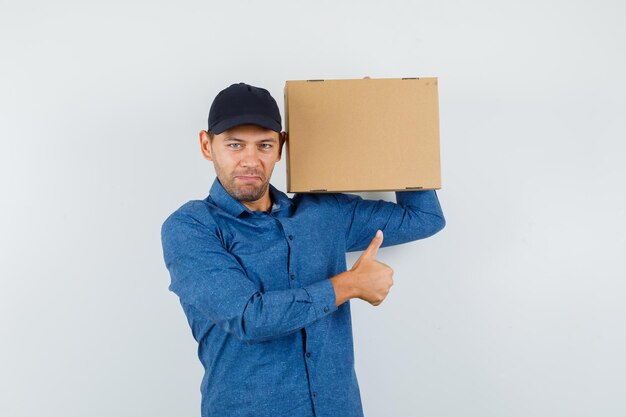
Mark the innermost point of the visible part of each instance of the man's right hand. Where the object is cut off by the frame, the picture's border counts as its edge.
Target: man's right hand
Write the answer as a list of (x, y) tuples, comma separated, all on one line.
[(372, 278)]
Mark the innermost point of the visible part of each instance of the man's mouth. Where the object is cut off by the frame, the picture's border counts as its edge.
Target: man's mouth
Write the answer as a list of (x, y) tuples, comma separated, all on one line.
[(248, 178)]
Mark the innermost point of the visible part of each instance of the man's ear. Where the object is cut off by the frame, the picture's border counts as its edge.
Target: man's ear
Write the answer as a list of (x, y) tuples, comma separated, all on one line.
[(282, 138), (205, 145)]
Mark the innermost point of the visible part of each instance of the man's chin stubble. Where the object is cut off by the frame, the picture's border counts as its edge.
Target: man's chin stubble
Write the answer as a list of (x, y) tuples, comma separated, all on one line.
[(249, 196)]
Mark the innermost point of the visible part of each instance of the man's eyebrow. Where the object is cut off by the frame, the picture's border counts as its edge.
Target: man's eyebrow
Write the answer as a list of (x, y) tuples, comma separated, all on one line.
[(232, 139)]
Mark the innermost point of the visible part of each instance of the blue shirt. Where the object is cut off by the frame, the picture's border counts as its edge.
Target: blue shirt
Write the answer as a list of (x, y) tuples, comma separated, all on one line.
[(255, 287)]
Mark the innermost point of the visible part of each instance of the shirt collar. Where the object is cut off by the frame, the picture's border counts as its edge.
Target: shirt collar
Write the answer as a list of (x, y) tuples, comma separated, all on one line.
[(228, 203)]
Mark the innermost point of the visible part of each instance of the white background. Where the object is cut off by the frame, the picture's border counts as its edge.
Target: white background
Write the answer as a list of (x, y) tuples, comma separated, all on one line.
[(515, 309)]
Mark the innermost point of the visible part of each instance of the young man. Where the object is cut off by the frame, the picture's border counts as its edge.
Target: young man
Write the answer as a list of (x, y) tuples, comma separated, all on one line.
[(262, 278)]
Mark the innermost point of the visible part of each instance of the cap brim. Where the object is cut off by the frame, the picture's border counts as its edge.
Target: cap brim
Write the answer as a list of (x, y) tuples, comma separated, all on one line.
[(253, 119)]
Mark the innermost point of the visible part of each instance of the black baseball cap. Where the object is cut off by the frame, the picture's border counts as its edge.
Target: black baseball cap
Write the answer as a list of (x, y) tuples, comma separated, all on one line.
[(244, 104)]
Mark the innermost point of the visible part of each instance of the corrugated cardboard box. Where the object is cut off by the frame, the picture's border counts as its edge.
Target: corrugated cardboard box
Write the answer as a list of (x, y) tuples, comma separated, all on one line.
[(371, 134)]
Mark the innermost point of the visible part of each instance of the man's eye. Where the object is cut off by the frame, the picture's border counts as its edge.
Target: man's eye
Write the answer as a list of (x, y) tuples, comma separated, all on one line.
[(267, 144), (234, 144)]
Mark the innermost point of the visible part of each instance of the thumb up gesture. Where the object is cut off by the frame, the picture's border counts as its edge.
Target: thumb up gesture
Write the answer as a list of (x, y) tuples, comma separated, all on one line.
[(373, 278)]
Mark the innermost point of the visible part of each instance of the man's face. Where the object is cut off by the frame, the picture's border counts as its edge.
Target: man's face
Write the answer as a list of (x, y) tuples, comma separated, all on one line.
[(244, 159)]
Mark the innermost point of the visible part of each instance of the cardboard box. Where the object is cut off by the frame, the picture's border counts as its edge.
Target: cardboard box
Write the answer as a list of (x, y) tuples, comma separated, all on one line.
[(371, 134)]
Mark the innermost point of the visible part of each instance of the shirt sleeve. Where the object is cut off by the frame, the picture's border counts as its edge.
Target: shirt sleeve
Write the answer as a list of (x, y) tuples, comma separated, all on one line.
[(415, 215), (207, 277)]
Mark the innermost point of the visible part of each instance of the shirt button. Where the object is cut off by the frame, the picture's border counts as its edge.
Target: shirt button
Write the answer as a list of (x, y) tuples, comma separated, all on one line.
[(326, 309), (293, 276), (308, 354), (314, 394), (290, 237)]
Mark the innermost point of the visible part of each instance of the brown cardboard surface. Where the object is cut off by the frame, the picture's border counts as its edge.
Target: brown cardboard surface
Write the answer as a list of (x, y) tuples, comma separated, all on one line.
[(372, 134)]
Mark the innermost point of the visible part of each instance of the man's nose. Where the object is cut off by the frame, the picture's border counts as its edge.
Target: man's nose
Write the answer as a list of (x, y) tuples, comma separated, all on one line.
[(249, 156)]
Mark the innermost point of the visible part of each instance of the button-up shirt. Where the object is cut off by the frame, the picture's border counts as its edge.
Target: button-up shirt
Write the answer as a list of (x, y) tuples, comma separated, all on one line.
[(255, 288)]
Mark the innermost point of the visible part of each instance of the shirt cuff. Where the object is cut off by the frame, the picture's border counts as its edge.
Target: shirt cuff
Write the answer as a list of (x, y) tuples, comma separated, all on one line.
[(322, 296)]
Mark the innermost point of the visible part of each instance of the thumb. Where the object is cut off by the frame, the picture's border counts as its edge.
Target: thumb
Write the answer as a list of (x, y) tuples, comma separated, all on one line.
[(371, 250)]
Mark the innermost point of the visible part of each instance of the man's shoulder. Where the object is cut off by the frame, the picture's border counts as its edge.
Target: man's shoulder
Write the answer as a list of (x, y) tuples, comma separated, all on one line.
[(316, 198), (193, 211), (332, 200)]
